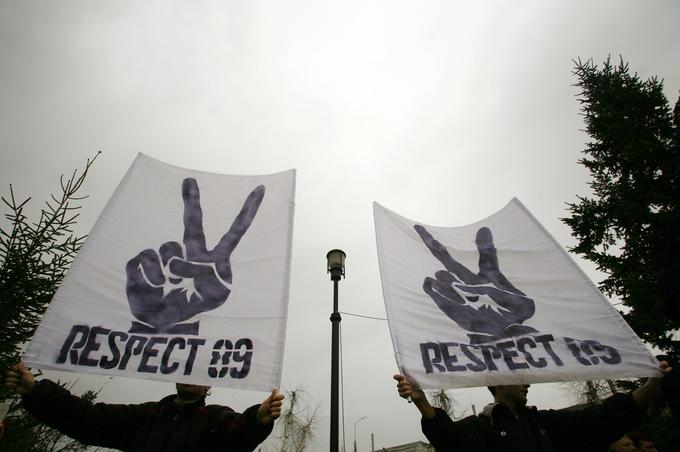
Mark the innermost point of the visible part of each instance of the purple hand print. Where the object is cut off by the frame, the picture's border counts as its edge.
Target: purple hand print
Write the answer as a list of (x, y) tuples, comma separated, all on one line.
[(176, 283), (484, 303)]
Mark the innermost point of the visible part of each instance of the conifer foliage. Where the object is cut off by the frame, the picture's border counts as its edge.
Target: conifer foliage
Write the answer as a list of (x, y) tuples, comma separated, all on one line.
[(34, 257), (629, 225)]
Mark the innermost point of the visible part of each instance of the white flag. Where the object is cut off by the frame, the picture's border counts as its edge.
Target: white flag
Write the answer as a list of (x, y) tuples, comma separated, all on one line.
[(183, 278), (497, 302)]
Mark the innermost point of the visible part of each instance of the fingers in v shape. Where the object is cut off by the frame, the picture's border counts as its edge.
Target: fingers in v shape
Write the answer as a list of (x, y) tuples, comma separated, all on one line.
[(194, 236), (240, 225), (441, 253), (488, 262), (488, 258)]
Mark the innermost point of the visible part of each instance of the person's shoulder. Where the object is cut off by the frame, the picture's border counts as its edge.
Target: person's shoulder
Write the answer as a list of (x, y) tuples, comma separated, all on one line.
[(474, 419), (499, 410), (165, 400)]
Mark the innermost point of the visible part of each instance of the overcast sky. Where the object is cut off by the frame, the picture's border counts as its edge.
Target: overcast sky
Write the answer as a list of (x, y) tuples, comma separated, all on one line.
[(440, 110)]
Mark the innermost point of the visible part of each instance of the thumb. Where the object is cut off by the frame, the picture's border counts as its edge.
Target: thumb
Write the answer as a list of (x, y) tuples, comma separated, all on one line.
[(277, 396), (270, 397), (22, 369)]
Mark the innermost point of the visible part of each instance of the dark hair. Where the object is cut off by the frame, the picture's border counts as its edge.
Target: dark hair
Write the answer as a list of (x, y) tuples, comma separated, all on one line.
[(492, 389)]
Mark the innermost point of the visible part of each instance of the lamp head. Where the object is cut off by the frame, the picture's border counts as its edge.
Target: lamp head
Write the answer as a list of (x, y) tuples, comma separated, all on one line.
[(336, 264)]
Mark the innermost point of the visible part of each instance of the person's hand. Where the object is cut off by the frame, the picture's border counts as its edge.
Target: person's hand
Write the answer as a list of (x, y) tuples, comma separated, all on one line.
[(408, 390), (665, 368), (174, 284), (412, 392), (484, 303), (270, 408), (654, 382), (651, 390), (20, 380)]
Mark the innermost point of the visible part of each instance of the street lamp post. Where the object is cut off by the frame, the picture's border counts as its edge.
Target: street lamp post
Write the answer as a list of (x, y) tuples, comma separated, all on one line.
[(355, 431), (336, 267)]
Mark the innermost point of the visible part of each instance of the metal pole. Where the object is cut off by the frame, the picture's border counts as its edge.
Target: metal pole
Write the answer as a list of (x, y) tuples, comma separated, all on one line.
[(336, 267), (372, 443), (335, 367), (355, 431)]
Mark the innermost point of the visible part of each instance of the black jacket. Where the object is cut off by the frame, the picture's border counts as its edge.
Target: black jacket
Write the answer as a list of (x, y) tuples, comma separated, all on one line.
[(152, 426), (584, 428)]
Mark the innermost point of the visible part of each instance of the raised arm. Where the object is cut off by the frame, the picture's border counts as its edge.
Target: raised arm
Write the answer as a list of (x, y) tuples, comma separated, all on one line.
[(93, 424), (645, 395), (408, 390), (602, 423), (469, 434), (243, 432)]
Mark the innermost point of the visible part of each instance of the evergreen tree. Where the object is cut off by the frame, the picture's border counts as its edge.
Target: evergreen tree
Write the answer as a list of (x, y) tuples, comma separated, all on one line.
[(630, 225), (34, 257)]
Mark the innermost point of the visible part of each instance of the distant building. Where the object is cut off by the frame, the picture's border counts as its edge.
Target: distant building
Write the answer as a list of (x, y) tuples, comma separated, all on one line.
[(418, 446)]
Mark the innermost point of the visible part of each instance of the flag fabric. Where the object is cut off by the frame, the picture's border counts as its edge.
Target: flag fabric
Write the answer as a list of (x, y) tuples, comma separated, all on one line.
[(183, 278), (497, 302)]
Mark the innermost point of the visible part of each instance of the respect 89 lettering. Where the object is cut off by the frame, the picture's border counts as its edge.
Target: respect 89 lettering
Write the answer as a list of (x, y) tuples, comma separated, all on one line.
[(230, 358)]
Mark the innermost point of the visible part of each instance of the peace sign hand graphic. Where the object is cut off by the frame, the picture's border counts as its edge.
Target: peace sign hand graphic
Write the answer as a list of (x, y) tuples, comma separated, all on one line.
[(171, 285), (484, 303)]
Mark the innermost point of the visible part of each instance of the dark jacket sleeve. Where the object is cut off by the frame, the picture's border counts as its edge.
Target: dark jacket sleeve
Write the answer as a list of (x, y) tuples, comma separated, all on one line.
[(467, 435), (592, 426), (94, 424), (670, 387), (239, 432)]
